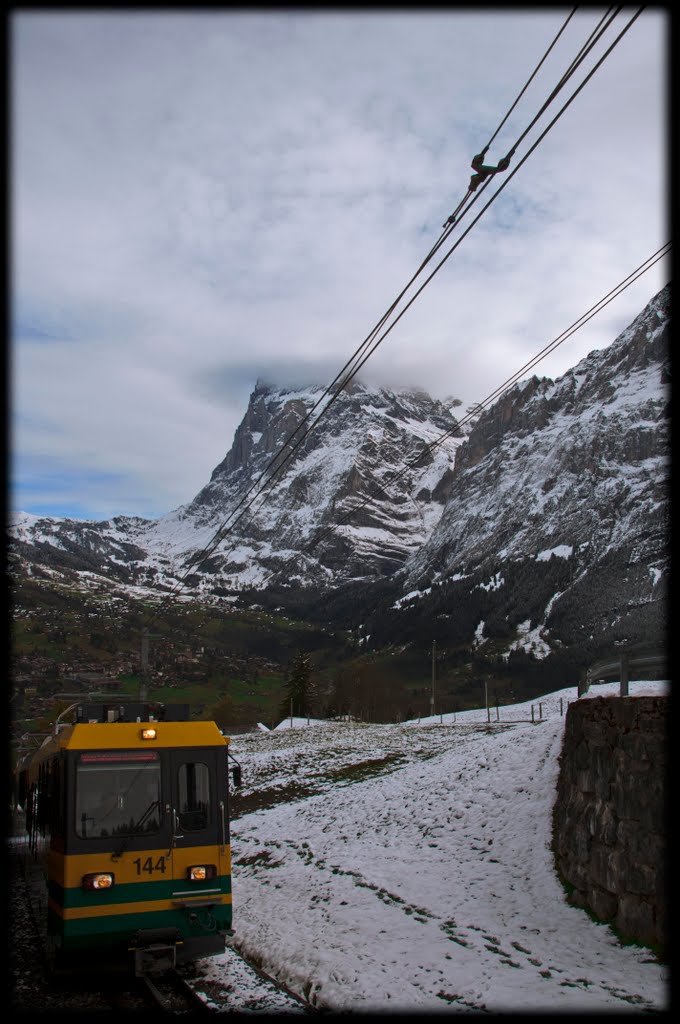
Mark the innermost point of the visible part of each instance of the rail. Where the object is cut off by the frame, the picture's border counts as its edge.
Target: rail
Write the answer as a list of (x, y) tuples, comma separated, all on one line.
[(637, 661)]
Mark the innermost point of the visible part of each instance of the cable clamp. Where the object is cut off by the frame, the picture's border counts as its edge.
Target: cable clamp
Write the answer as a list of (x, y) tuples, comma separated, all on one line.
[(484, 170)]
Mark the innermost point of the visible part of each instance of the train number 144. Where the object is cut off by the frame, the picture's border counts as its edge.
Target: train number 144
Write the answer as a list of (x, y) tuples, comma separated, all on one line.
[(149, 866)]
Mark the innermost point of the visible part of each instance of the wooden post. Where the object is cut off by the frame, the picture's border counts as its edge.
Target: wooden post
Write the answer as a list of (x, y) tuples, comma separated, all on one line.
[(434, 648), (144, 666)]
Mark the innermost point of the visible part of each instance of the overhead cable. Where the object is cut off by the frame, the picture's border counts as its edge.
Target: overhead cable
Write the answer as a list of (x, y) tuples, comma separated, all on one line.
[(371, 343), (504, 184), (595, 36), (357, 360), (492, 397), (483, 171), (531, 77)]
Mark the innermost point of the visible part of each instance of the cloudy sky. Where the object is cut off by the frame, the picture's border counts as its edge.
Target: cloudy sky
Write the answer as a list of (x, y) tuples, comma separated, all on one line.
[(199, 200)]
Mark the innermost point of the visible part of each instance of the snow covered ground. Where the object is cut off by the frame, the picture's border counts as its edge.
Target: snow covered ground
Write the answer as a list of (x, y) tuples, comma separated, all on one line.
[(408, 868)]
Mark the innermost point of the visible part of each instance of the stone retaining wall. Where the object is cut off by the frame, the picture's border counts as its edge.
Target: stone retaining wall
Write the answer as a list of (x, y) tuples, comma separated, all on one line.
[(609, 822)]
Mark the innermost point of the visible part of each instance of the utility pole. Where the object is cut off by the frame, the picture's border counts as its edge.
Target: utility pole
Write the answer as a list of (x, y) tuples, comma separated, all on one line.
[(144, 666), (434, 655), (486, 700), (623, 686)]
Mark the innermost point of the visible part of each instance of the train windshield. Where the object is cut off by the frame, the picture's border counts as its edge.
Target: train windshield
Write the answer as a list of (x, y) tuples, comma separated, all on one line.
[(118, 793)]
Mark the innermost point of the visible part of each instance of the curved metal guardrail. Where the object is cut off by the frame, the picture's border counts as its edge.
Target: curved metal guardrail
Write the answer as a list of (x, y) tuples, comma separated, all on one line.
[(636, 661)]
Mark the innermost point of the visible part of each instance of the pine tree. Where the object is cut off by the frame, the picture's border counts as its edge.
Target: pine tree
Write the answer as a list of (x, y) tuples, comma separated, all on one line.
[(222, 713), (300, 690)]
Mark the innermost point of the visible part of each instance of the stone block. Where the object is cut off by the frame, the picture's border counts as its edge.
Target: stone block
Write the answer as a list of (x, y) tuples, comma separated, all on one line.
[(578, 898), (608, 825), (635, 918), (604, 904), (640, 879), (635, 746), (609, 821)]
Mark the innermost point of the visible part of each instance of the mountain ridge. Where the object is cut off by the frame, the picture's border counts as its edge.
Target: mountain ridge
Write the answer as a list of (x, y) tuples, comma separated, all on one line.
[(556, 495)]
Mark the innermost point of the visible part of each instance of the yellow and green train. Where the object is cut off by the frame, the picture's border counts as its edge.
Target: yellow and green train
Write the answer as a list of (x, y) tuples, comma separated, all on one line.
[(127, 820)]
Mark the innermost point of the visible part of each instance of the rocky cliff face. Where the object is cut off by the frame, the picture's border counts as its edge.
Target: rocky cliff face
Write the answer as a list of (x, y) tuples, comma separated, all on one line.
[(546, 527), (361, 463), (350, 467), (560, 494)]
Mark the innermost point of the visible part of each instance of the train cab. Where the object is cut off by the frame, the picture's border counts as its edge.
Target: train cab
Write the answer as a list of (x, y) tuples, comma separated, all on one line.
[(128, 819)]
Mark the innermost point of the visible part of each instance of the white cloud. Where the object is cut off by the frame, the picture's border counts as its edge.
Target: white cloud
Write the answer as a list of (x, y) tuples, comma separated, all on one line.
[(200, 198)]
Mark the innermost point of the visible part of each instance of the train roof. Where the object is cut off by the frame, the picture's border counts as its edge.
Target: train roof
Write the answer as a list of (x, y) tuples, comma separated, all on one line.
[(114, 726), (118, 735)]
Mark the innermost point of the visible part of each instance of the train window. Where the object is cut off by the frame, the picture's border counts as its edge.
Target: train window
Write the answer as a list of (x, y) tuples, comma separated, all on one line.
[(56, 798), (194, 796), (118, 793)]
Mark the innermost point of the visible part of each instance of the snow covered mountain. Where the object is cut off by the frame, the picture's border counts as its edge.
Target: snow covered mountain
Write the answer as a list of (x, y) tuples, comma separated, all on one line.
[(547, 525), (557, 522), (356, 458)]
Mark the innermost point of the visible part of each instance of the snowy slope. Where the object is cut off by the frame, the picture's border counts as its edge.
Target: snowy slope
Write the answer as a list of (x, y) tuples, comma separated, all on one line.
[(418, 875)]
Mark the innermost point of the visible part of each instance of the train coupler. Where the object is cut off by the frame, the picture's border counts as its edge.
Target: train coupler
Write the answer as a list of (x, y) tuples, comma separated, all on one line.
[(155, 950)]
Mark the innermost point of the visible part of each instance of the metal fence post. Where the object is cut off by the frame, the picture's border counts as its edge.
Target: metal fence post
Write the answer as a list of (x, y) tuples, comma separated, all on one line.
[(623, 691)]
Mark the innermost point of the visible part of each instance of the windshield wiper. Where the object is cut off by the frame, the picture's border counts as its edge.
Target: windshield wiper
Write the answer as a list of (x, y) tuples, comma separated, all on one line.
[(134, 829), (138, 824)]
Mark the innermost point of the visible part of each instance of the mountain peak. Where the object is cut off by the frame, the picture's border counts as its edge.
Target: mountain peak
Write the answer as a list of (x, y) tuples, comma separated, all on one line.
[(553, 510)]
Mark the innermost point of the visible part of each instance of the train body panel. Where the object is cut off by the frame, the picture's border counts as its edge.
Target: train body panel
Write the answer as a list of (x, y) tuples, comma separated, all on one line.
[(128, 822), (150, 883)]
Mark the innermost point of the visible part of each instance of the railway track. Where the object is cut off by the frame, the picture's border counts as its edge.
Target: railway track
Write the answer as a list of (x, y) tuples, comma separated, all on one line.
[(222, 984), (172, 993), (235, 985)]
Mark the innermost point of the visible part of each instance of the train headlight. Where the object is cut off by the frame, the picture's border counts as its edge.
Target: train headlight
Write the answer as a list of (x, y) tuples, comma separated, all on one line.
[(98, 880), (148, 734), (201, 872)]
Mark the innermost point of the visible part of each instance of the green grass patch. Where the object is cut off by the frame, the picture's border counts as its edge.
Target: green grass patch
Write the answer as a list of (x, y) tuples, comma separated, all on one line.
[(263, 799), (362, 770), (347, 775)]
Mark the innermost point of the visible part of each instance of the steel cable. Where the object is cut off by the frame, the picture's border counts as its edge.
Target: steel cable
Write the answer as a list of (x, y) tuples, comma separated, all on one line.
[(357, 360), (363, 352), (492, 397)]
